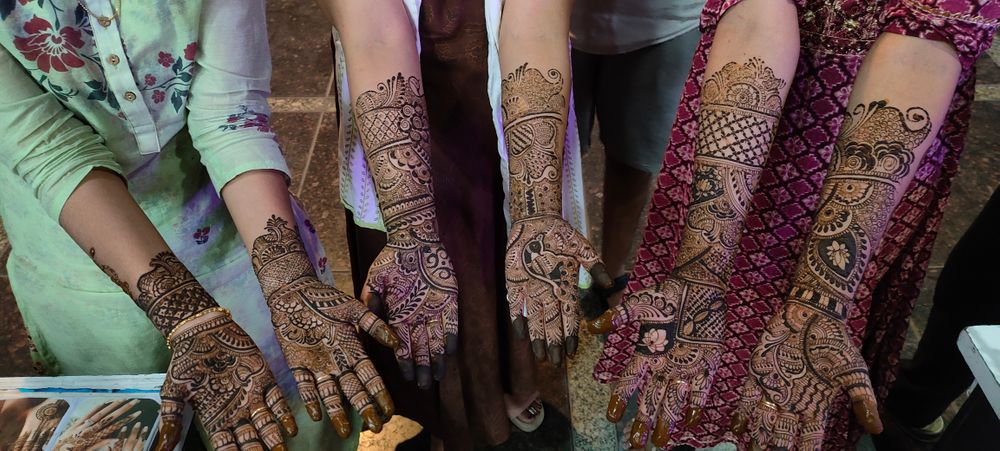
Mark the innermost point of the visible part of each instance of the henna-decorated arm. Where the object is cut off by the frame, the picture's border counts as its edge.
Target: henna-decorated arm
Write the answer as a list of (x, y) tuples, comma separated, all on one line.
[(214, 364), (682, 320), (805, 357), (544, 252), (413, 275), (315, 323)]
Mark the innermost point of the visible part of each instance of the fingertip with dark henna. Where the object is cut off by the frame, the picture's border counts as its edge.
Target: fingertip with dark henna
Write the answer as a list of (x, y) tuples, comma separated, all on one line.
[(520, 325), (438, 363), (289, 424), (661, 433), (616, 409), (341, 424), (385, 403), (572, 343), (692, 417), (555, 355), (423, 377), (637, 437), (603, 324), (314, 410), (538, 348), (371, 419), (406, 369), (450, 344), (868, 417)]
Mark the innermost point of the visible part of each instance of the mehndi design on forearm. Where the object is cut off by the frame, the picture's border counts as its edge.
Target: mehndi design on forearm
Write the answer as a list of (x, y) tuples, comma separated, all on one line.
[(170, 293), (413, 274), (682, 320), (874, 152), (740, 107), (315, 325), (112, 274), (392, 121), (534, 128), (544, 252), (806, 356)]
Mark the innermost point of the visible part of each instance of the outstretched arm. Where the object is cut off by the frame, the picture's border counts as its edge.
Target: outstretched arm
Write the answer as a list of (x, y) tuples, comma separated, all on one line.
[(413, 274), (682, 320), (544, 252), (805, 357)]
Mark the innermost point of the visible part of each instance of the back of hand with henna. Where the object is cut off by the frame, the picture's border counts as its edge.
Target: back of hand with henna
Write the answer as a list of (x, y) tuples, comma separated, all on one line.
[(413, 274), (214, 364), (806, 357), (544, 252), (316, 326), (681, 321)]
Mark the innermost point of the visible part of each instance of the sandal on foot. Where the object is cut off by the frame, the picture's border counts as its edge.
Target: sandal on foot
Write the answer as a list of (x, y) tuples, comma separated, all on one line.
[(530, 418)]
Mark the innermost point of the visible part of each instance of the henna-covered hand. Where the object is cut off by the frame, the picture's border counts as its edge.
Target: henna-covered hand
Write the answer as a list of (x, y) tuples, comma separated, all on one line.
[(413, 275), (681, 321), (40, 426), (101, 428), (316, 326), (806, 356), (544, 252), (671, 370), (214, 365), (217, 367)]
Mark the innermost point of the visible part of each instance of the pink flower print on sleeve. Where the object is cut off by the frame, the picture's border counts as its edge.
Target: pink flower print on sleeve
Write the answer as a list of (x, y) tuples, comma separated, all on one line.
[(150, 80), (191, 51), (201, 235), (159, 96), (49, 49), (247, 118)]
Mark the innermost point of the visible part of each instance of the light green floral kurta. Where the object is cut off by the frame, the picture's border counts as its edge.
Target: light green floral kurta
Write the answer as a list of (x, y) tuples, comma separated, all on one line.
[(172, 96)]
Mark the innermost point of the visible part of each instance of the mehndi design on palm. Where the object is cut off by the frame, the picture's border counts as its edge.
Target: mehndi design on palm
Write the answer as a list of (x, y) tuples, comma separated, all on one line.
[(316, 326), (806, 356), (413, 274), (681, 321), (544, 252)]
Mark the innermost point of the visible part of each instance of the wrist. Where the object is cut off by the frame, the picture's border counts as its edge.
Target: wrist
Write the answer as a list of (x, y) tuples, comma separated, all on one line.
[(191, 325), (823, 303), (279, 258), (414, 227)]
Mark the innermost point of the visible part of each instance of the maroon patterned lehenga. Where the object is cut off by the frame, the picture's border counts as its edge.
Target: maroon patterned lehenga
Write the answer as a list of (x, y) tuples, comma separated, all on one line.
[(835, 34)]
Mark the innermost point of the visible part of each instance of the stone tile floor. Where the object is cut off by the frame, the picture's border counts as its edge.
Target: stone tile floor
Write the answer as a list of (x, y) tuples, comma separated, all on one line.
[(305, 118)]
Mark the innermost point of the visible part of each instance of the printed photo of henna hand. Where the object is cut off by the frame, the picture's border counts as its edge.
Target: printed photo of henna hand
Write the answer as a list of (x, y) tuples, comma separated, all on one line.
[(317, 328), (33, 420), (111, 425), (412, 279)]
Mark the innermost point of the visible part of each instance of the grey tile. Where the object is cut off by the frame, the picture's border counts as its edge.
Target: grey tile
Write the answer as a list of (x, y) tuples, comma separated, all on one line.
[(301, 60), (295, 134)]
